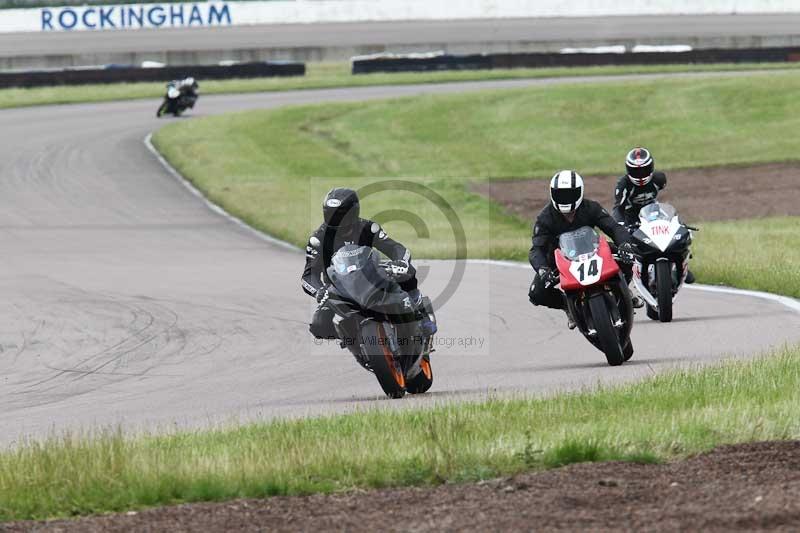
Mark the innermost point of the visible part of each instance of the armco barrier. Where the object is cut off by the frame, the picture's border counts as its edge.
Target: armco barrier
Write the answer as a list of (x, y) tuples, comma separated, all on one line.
[(115, 74), (368, 65)]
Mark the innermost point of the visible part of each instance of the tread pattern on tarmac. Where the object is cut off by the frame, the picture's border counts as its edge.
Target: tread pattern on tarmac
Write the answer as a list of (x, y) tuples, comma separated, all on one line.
[(126, 301)]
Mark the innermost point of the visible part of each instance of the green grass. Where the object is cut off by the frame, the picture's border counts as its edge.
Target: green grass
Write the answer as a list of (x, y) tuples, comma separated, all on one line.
[(329, 75), (759, 254), (448, 141), (664, 417)]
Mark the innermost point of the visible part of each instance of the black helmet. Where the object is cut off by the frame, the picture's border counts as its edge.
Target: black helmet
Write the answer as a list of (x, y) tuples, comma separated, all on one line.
[(341, 208), (640, 166)]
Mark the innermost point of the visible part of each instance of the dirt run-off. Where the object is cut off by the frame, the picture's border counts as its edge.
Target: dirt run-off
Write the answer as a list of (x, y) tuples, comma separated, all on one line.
[(744, 487), (700, 195)]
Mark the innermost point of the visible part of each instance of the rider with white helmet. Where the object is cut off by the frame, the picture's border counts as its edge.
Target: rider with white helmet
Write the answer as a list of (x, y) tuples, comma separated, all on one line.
[(567, 210)]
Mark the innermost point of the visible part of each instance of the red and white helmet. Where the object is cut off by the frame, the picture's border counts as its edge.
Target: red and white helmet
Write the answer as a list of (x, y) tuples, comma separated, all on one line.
[(640, 166), (566, 191)]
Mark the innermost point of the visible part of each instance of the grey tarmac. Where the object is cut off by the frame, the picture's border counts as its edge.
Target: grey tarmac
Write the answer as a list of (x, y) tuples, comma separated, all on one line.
[(126, 301)]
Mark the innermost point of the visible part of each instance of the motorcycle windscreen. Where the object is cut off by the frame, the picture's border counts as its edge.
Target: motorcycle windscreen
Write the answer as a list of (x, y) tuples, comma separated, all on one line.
[(657, 211), (356, 275), (580, 242)]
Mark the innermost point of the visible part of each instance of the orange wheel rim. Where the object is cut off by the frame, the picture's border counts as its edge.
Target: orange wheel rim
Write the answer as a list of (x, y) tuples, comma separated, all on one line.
[(426, 368), (387, 354)]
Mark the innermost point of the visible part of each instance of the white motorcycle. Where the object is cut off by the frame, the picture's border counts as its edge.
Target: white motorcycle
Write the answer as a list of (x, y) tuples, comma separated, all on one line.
[(662, 243)]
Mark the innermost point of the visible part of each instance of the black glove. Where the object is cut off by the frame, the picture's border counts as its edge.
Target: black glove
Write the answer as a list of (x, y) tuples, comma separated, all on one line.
[(399, 269), (547, 276), (322, 293), (626, 251)]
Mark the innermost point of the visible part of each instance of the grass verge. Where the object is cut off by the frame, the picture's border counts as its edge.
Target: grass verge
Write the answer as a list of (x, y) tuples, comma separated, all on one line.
[(330, 75), (664, 417), (454, 139), (762, 255)]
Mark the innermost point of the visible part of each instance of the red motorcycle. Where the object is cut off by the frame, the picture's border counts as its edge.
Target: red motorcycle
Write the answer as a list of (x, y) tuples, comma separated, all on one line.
[(596, 293)]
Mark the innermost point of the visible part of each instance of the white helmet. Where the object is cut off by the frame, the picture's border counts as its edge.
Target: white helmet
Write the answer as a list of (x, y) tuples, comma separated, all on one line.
[(566, 191)]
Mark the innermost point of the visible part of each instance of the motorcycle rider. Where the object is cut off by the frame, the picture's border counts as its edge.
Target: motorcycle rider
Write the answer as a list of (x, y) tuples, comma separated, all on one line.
[(567, 211), (637, 188), (342, 225), (188, 88)]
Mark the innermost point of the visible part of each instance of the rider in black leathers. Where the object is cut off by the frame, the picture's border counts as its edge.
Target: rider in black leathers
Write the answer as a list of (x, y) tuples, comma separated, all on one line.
[(342, 225), (567, 211), (637, 188)]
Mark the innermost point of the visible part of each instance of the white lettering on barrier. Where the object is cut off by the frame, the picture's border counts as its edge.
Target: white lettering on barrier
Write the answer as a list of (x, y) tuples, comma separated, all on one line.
[(220, 13)]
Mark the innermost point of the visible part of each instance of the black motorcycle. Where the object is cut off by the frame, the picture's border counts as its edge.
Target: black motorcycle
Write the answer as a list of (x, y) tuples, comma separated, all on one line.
[(378, 323), (663, 245), (177, 100)]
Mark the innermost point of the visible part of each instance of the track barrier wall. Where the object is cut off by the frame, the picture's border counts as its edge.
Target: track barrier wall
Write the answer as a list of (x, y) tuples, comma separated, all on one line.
[(216, 13), (429, 62), (116, 74)]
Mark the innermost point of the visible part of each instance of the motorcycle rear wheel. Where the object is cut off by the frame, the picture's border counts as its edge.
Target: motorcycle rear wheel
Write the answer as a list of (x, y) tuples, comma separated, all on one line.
[(381, 360), (664, 289), (607, 336)]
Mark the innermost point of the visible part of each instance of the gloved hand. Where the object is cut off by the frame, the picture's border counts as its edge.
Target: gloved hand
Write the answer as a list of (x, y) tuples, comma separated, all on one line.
[(546, 275), (626, 251), (322, 293), (398, 268)]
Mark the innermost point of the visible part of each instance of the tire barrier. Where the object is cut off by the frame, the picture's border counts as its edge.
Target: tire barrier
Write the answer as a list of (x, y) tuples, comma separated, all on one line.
[(442, 61), (129, 73)]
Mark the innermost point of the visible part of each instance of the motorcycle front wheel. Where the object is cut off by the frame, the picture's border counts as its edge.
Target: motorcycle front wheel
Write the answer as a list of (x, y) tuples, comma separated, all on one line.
[(381, 360), (607, 337), (422, 381), (664, 289)]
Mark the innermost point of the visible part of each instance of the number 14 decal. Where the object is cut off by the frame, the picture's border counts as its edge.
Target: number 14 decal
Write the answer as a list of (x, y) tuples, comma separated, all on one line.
[(593, 270)]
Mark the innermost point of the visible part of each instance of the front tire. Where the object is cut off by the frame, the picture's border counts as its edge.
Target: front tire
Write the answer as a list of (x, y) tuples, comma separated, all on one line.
[(381, 360), (606, 332), (161, 110), (664, 289), (422, 381)]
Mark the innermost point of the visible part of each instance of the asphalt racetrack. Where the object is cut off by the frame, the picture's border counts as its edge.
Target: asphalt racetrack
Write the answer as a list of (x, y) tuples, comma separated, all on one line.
[(127, 301), (455, 36)]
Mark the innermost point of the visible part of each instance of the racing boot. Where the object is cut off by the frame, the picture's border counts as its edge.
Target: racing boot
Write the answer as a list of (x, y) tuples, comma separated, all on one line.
[(427, 325)]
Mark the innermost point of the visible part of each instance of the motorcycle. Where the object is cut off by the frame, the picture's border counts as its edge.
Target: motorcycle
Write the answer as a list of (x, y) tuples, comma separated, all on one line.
[(596, 294), (176, 101), (663, 249), (376, 320)]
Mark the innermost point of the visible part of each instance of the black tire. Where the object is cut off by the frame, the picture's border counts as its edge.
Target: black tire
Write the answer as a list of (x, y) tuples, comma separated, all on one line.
[(627, 351), (381, 360), (422, 381), (652, 314), (161, 110), (607, 336), (664, 289)]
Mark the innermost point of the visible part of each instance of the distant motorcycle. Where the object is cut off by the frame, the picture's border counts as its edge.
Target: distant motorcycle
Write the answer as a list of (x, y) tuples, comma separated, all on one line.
[(179, 98), (663, 246), (597, 296), (378, 323)]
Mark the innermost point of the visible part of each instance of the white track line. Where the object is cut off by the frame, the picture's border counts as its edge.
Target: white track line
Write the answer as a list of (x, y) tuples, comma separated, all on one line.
[(790, 303), (148, 142)]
